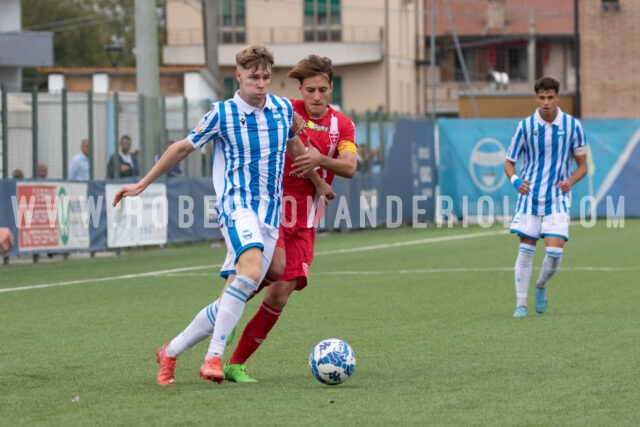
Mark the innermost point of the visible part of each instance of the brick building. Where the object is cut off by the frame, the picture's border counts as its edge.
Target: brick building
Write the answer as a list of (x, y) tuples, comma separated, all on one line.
[(609, 58)]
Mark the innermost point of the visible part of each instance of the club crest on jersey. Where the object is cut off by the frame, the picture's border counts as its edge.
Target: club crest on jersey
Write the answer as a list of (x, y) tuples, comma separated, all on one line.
[(243, 121)]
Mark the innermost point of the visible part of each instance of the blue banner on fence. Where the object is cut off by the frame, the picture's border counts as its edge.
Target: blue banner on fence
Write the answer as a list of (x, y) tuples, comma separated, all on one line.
[(471, 168)]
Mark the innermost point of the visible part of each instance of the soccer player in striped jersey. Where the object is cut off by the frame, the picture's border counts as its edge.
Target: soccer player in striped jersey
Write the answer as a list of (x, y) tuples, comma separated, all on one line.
[(250, 133), (332, 151), (547, 142)]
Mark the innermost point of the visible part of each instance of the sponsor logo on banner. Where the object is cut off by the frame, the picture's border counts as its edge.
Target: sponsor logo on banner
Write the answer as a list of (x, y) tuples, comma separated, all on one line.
[(51, 216), (486, 164)]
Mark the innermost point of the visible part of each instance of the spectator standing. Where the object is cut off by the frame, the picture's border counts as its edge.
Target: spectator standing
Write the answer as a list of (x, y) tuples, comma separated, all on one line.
[(128, 163), (79, 165)]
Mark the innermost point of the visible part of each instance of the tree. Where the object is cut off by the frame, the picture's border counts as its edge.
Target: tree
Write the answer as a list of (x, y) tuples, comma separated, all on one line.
[(82, 29)]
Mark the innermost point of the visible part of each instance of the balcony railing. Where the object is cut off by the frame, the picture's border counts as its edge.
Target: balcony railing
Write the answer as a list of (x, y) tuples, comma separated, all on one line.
[(275, 35)]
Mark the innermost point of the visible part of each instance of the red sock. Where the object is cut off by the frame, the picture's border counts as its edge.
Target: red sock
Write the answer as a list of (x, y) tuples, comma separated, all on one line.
[(255, 333)]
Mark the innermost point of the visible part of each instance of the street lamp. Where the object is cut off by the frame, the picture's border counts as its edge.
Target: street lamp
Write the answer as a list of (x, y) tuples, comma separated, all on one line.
[(114, 52)]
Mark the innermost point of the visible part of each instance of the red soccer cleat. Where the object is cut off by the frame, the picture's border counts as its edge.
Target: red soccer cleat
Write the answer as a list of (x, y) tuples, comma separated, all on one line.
[(167, 366), (211, 370)]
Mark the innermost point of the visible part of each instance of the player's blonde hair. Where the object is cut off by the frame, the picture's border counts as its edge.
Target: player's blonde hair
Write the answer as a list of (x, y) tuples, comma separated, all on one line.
[(254, 56)]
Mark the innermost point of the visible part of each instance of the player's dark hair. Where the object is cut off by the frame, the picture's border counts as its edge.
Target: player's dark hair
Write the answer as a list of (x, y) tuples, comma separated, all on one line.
[(311, 66), (547, 84)]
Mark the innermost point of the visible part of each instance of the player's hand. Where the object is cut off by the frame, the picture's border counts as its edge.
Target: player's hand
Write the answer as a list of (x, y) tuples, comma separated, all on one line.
[(129, 190), (524, 187), (6, 240), (308, 161), (298, 124), (325, 192), (565, 186)]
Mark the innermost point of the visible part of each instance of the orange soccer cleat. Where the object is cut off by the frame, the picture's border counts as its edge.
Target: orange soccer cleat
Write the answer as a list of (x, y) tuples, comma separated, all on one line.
[(211, 370), (167, 366)]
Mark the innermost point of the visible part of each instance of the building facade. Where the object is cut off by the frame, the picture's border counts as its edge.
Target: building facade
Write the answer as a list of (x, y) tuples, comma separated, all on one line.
[(609, 59), (20, 48), (504, 44), (375, 46)]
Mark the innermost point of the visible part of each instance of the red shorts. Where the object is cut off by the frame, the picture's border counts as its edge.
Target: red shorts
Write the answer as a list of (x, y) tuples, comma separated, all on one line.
[(297, 242)]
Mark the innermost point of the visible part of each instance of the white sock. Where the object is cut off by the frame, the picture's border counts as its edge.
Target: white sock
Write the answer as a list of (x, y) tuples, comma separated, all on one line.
[(230, 309), (524, 264), (550, 264), (200, 328)]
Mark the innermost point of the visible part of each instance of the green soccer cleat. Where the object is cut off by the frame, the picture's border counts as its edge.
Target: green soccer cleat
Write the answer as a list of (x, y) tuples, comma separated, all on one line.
[(236, 373), (520, 312)]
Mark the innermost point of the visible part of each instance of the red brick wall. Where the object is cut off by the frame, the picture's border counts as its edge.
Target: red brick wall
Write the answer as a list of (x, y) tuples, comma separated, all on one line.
[(610, 60)]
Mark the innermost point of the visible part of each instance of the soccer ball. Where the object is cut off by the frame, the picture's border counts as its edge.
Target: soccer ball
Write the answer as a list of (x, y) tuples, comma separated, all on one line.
[(332, 361)]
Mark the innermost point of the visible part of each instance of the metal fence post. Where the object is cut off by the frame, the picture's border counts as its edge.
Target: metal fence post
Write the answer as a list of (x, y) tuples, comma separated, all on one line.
[(90, 131), (185, 128), (142, 132), (65, 134), (163, 121), (5, 136), (383, 140), (116, 133), (34, 131)]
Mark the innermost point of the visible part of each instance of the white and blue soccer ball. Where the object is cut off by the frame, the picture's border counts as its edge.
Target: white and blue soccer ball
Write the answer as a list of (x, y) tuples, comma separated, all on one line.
[(332, 361)]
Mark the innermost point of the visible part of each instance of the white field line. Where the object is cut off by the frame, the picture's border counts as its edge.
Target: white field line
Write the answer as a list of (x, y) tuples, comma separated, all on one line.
[(201, 267), (412, 242), (107, 279), (461, 270), (429, 271)]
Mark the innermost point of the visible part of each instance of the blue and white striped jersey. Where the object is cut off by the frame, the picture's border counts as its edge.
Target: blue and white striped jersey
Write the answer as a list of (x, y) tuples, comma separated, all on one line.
[(249, 145), (546, 150)]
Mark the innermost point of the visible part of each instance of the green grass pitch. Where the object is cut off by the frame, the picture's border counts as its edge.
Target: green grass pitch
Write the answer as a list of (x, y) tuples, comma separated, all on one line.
[(427, 312)]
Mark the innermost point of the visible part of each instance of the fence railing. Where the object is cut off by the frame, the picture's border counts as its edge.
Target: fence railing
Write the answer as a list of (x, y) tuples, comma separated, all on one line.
[(47, 129)]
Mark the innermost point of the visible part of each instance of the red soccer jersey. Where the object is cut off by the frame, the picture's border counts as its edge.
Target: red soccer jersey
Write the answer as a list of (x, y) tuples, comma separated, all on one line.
[(326, 135)]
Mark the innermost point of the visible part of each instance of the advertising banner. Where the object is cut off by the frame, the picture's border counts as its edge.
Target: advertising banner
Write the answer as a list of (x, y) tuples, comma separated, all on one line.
[(51, 215), (137, 221), (472, 156)]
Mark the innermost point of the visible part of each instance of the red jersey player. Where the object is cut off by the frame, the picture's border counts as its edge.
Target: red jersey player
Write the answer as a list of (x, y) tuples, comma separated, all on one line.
[(330, 138)]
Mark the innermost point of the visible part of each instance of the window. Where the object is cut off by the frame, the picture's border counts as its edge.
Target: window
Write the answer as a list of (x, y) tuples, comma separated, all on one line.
[(608, 5), (469, 57), (231, 21), (336, 93), (322, 21), (518, 61), (230, 87)]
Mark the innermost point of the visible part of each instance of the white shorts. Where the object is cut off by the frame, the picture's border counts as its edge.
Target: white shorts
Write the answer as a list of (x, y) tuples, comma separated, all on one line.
[(537, 226), (243, 231)]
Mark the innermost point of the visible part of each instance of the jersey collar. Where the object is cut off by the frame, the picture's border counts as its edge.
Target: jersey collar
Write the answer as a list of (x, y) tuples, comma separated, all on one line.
[(556, 122), (249, 109)]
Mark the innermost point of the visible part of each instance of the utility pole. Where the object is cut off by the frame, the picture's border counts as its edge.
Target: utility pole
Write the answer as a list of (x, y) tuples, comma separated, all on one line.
[(531, 48), (432, 58), (210, 30), (147, 81)]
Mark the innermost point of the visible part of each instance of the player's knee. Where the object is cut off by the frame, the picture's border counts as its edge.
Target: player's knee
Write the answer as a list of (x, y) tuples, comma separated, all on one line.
[(277, 295), (277, 266)]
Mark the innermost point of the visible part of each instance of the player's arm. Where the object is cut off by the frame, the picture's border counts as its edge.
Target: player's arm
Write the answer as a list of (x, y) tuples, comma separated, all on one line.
[(578, 174), (295, 149), (521, 185), (345, 165), (174, 155)]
